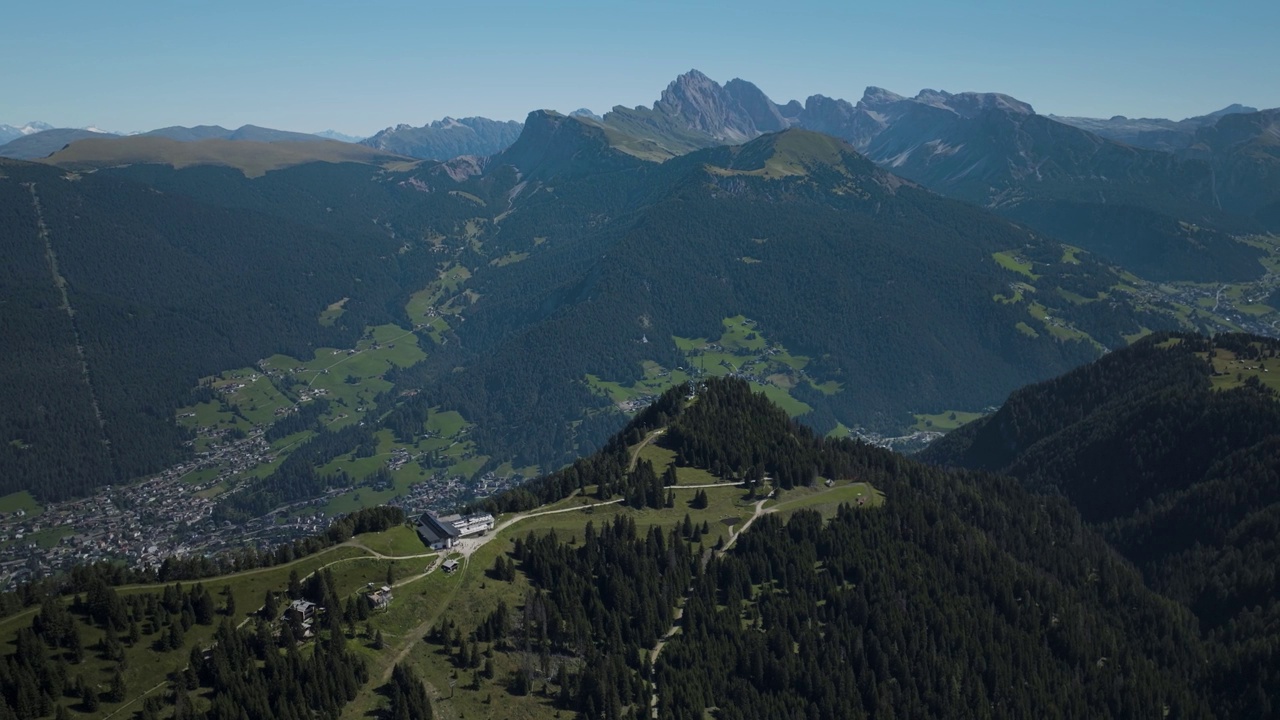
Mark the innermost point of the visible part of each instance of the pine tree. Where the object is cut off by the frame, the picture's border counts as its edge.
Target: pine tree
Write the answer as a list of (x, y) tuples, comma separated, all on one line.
[(295, 585), (75, 647), (89, 699), (174, 638), (117, 692)]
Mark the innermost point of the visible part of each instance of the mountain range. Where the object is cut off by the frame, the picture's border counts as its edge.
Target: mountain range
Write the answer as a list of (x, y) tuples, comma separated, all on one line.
[(10, 132), (676, 319), (1153, 133), (447, 138), (596, 259), (1088, 182), (39, 140)]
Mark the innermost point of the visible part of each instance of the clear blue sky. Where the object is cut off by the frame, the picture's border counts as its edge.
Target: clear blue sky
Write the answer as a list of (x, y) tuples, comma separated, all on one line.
[(359, 67)]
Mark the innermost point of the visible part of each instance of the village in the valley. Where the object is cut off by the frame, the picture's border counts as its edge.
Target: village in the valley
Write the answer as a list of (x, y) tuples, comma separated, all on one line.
[(165, 515)]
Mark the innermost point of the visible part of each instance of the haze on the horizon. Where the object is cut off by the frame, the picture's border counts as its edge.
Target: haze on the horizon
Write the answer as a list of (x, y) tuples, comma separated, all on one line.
[(359, 67)]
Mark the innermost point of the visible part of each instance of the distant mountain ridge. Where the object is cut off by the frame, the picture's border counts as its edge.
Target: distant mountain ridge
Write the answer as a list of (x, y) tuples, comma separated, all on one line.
[(10, 132), (996, 151), (340, 137), (45, 142), (1153, 133), (252, 157), (447, 138), (252, 133)]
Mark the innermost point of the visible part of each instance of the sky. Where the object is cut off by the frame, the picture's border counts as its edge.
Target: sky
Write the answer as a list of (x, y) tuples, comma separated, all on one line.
[(359, 67)]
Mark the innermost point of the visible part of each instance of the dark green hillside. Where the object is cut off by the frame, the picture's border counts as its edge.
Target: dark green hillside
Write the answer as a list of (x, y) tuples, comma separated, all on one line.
[(345, 197), (1170, 449), (887, 288), (49, 433), (962, 591), (1147, 243), (165, 290), (1244, 150), (951, 593)]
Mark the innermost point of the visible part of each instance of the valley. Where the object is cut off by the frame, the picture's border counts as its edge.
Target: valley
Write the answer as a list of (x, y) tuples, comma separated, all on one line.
[(254, 417), (559, 379), (424, 594)]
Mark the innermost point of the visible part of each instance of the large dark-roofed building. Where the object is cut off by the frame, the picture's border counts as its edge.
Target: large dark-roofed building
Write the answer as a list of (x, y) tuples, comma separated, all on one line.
[(436, 533)]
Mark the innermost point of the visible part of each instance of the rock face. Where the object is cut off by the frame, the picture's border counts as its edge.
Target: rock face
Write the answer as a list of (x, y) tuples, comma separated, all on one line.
[(764, 115), (1244, 151), (586, 113), (558, 145), (703, 105), (448, 138)]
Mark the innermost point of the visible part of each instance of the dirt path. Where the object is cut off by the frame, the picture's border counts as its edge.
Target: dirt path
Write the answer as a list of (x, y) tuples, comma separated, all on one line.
[(679, 613), (733, 535), (635, 455), (152, 689)]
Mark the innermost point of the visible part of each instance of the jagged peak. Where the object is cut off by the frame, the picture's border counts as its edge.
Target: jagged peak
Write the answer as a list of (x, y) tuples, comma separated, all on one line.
[(968, 104), (875, 96), (690, 86)]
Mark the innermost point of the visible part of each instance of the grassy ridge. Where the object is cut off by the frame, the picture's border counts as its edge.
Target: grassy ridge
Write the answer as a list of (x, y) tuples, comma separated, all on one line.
[(254, 159)]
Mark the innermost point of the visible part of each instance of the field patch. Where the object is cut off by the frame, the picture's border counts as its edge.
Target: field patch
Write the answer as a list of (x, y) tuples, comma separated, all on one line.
[(20, 501), (1230, 371), (946, 420), (828, 500), (1009, 260), (333, 312)]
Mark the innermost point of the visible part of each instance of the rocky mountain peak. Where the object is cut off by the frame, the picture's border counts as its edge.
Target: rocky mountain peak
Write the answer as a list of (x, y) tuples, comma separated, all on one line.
[(876, 97), (762, 111), (703, 105), (586, 113), (970, 104)]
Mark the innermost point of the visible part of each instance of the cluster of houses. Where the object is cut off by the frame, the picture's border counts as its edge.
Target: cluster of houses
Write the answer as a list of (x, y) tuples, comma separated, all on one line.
[(440, 533)]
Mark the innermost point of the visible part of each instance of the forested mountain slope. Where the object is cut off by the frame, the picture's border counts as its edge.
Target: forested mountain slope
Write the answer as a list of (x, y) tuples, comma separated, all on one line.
[(1169, 448), (161, 290), (962, 592), (954, 593), (835, 259), (573, 257)]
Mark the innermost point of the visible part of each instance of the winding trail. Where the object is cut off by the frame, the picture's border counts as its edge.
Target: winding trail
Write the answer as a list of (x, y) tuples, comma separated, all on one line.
[(468, 546), (679, 613), (635, 454)]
